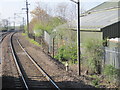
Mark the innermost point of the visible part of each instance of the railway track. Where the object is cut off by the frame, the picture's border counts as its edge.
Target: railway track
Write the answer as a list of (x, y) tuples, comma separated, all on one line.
[(10, 77), (31, 74), (2, 36)]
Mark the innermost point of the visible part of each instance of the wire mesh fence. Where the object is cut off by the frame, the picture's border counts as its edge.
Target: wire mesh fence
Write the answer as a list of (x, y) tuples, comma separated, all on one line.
[(41, 41)]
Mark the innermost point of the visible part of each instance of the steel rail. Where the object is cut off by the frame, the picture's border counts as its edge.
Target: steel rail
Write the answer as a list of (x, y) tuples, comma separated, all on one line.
[(3, 36), (15, 59), (39, 68)]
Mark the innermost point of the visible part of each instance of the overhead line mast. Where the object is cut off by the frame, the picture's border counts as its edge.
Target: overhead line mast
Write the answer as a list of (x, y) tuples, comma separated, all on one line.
[(27, 16)]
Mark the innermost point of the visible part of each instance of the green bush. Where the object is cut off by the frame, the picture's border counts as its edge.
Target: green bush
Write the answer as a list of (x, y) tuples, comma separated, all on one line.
[(111, 71), (95, 82), (25, 28), (24, 34), (67, 53), (112, 74), (38, 29), (93, 55), (47, 26)]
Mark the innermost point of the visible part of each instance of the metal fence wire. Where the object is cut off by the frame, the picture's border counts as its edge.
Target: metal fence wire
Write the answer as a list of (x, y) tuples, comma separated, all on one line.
[(112, 56), (47, 39)]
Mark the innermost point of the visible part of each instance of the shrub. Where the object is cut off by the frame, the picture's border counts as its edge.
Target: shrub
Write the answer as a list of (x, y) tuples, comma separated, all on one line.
[(24, 34), (95, 82), (67, 53), (112, 74), (25, 28), (47, 26), (93, 54), (111, 71)]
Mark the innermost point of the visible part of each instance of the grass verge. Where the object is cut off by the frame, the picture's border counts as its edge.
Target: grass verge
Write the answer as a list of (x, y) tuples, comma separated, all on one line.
[(31, 40)]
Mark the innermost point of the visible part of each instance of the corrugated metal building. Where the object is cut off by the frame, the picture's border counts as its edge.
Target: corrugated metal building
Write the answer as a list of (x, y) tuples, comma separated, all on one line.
[(102, 21)]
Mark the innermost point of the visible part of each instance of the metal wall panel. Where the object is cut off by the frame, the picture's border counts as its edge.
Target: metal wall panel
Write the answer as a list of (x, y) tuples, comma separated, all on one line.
[(111, 31)]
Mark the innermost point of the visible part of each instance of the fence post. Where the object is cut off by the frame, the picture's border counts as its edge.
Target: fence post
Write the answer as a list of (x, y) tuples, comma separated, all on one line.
[(53, 46)]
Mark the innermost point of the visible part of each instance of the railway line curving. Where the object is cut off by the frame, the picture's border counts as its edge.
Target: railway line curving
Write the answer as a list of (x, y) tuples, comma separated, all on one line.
[(15, 59), (9, 73), (32, 75), (2, 36)]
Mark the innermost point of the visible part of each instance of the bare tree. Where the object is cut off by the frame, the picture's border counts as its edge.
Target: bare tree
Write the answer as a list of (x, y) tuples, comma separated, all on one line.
[(40, 14), (61, 9), (71, 12)]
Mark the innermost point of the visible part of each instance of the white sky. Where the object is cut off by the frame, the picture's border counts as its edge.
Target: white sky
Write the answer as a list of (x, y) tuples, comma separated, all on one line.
[(9, 7)]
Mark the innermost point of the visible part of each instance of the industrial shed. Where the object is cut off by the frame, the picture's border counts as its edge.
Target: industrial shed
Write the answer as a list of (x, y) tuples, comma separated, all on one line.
[(101, 22)]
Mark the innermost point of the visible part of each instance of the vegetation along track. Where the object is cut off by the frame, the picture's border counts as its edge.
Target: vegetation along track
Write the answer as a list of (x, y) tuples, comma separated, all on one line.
[(32, 75)]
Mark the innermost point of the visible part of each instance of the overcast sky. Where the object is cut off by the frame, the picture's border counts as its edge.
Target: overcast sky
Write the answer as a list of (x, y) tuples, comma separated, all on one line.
[(9, 7)]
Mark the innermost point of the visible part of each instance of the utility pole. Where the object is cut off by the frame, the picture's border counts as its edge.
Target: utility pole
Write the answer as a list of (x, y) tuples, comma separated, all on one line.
[(78, 37), (8, 22), (14, 20), (27, 17), (53, 45), (23, 25)]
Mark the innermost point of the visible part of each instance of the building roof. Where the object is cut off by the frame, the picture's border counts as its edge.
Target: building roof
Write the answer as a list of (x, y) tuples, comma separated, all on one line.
[(101, 16), (105, 5), (100, 19)]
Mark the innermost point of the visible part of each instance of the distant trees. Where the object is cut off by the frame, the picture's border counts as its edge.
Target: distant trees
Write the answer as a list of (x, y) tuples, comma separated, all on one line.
[(67, 11), (43, 21), (72, 12), (4, 23), (61, 9)]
